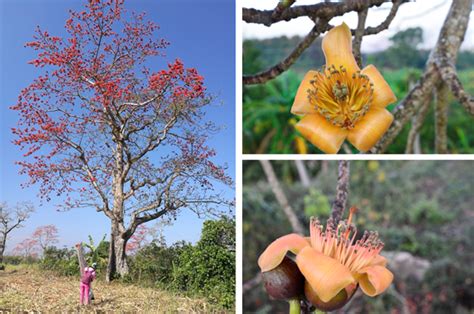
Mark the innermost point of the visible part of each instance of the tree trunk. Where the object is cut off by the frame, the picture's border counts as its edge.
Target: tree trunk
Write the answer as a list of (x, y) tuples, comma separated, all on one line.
[(3, 242), (121, 264), (117, 264), (111, 261)]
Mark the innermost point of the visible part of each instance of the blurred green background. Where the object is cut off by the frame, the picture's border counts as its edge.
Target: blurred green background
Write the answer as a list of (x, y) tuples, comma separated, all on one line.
[(268, 125), (423, 211)]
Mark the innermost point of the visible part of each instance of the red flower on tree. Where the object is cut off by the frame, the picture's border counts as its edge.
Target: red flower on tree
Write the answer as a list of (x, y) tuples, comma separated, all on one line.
[(103, 129)]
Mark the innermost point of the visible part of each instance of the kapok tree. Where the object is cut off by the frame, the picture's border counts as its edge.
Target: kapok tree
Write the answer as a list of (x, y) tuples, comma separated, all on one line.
[(46, 236), (103, 130)]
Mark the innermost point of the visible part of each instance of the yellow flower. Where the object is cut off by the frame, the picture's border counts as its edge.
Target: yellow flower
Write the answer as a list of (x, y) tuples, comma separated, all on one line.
[(332, 262), (341, 101)]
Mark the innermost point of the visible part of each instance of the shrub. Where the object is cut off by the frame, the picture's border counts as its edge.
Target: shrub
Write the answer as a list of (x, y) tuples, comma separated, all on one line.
[(153, 264), (62, 261), (209, 267), (13, 260)]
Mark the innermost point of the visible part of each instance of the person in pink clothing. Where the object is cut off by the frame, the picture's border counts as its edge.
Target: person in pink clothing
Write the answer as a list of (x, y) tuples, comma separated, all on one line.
[(88, 275)]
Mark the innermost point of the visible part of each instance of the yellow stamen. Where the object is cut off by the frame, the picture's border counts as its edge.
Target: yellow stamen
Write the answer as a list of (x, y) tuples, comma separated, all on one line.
[(340, 97)]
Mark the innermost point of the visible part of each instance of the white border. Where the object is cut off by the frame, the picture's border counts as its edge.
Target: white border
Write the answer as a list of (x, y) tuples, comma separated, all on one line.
[(238, 156), (357, 157)]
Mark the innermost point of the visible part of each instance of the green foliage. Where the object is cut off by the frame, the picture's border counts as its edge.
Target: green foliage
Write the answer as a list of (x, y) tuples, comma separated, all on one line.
[(62, 261), (205, 269), (316, 204), (267, 123), (13, 260), (428, 212), (153, 264), (97, 253), (209, 267)]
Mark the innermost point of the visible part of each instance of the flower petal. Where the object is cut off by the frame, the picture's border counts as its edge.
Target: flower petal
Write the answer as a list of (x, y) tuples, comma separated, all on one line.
[(276, 251), (370, 128), (337, 48), (326, 275), (321, 133), (383, 94), (375, 279), (301, 104), (379, 260)]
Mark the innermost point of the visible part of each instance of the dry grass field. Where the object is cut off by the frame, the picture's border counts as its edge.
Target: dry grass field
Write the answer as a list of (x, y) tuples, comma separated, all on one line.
[(26, 289)]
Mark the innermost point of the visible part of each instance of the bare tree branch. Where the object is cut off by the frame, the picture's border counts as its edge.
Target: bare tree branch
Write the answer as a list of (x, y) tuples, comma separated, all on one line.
[(447, 47), (385, 24), (281, 7), (10, 219), (448, 74), (359, 34), (281, 197), (259, 78), (342, 191), (441, 119), (321, 10)]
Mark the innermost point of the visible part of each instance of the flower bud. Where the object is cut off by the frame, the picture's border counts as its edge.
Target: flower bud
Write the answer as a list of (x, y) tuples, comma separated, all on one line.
[(284, 282), (335, 303)]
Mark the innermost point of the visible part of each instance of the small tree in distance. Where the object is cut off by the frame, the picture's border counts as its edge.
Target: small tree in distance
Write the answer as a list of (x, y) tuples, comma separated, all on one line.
[(106, 132), (27, 248), (10, 219), (46, 236)]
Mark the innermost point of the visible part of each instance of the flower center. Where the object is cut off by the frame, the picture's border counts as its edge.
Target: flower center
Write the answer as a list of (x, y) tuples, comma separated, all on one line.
[(340, 97), (339, 243)]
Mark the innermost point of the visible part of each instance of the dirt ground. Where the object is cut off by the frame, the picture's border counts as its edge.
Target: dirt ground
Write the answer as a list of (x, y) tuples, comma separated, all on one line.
[(28, 289)]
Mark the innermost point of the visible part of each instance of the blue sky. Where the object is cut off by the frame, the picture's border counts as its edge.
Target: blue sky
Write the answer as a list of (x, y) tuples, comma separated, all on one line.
[(202, 34)]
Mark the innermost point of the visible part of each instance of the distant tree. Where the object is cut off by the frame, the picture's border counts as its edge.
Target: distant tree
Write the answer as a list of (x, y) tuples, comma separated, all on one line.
[(410, 37), (404, 51), (27, 248), (46, 236), (108, 133), (10, 219)]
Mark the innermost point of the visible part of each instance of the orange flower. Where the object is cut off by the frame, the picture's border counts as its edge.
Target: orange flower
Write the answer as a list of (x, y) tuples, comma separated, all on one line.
[(332, 262), (341, 101)]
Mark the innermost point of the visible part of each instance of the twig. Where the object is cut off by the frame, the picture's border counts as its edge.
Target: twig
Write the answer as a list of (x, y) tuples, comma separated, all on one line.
[(359, 34), (342, 191), (303, 173), (281, 7), (281, 197), (385, 24), (412, 146), (252, 283), (441, 119), (259, 78), (449, 76)]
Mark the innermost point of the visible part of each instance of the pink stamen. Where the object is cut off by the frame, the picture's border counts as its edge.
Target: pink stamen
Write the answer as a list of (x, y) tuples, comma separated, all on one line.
[(338, 242)]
